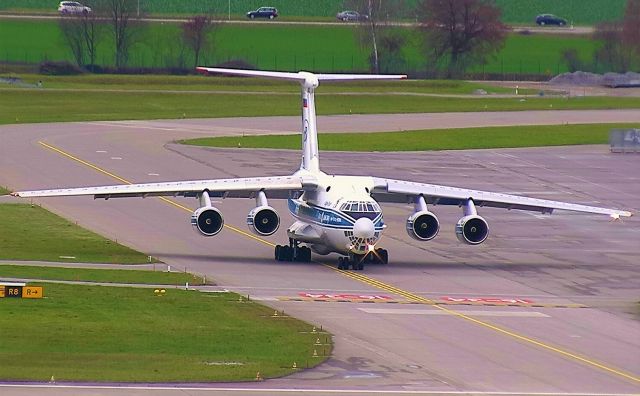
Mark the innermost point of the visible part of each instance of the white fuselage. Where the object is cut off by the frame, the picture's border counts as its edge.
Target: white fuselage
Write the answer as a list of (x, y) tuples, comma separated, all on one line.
[(339, 216)]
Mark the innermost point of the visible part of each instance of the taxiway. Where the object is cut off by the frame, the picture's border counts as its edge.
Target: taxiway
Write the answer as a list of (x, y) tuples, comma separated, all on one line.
[(572, 324)]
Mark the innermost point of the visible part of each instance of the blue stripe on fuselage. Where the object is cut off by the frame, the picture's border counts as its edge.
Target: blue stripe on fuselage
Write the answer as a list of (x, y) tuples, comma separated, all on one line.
[(325, 217)]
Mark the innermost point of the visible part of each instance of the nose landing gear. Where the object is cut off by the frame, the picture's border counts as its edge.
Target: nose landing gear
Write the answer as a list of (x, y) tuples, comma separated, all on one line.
[(357, 261), (292, 252)]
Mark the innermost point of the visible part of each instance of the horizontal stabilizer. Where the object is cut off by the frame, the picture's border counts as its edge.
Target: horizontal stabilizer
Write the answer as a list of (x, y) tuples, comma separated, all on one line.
[(300, 76)]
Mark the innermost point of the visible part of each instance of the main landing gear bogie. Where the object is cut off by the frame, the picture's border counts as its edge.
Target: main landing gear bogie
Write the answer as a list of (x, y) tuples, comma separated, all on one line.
[(292, 252), (356, 261)]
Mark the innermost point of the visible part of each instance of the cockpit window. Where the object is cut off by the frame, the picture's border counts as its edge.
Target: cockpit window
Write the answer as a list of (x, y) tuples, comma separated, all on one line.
[(357, 215), (358, 209)]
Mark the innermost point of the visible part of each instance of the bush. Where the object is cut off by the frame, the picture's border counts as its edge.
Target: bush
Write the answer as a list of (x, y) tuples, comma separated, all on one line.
[(236, 64), (59, 69), (572, 59)]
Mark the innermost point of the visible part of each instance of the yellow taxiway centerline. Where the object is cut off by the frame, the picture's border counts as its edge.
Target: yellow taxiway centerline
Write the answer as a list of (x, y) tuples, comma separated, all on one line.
[(383, 286)]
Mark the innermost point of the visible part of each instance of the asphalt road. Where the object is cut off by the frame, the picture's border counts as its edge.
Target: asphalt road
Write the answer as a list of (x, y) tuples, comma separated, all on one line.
[(518, 29), (569, 281)]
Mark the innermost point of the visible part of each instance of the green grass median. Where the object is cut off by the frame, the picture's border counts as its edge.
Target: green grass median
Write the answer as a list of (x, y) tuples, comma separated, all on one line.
[(432, 139), (121, 334), (99, 275), (31, 233), (30, 106), (111, 82)]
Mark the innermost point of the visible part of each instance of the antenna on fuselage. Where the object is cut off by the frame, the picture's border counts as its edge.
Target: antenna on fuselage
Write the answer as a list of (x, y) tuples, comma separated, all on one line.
[(308, 82)]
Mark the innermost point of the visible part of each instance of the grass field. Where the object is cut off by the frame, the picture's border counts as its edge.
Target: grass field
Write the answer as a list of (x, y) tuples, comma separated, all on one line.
[(96, 333), (99, 275), (41, 105), (435, 139), (579, 11), (281, 47), (4, 191), (111, 82), (32, 233)]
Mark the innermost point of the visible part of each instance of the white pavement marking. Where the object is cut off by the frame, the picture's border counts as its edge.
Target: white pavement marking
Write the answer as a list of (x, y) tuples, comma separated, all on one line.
[(116, 158), (521, 314), (154, 389)]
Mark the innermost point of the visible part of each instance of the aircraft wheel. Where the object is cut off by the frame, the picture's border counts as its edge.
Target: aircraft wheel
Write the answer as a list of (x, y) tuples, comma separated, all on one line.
[(289, 253), (384, 256), (343, 263), (356, 261), (306, 257), (277, 250)]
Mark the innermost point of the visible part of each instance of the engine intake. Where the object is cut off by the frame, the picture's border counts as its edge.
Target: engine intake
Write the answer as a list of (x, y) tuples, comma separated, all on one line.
[(423, 226), (263, 220), (207, 221), (472, 229)]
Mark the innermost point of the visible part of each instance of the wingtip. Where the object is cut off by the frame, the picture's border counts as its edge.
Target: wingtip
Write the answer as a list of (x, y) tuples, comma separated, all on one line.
[(618, 215)]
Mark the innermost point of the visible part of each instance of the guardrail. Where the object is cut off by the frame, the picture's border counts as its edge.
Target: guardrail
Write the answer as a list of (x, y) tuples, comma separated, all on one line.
[(624, 140)]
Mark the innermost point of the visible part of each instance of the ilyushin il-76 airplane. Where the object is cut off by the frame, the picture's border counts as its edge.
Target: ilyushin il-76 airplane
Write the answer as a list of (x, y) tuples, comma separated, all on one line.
[(333, 213)]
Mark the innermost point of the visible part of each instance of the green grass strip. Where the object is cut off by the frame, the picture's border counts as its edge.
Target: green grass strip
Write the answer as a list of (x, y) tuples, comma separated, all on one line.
[(98, 333), (209, 83), (20, 106), (433, 139), (99, 275), (4, 191), (32, 233)]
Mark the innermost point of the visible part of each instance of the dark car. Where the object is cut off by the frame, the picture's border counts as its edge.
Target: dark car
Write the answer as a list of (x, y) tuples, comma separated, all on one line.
[(550, 19), (351, 16), (263, 12)]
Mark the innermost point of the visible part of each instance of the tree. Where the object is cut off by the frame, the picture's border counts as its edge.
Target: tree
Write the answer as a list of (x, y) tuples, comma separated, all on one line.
[(124, 20), (631, 26), (374, 24), (620, 41), (71, 28), (460, 33), (82, 32), (196, 33), (612, 54), (92, 32)]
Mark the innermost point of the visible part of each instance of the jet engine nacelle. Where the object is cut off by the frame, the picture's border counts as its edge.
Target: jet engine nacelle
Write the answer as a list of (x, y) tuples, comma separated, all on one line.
[(263, 220), (472, 229), (423, 225), (207, 221)]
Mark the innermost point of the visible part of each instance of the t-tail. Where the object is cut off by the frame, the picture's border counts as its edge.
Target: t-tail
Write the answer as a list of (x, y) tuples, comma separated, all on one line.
[(308, 82)]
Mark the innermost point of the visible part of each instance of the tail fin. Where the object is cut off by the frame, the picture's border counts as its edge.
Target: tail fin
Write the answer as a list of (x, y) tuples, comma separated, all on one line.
[(309, 82)]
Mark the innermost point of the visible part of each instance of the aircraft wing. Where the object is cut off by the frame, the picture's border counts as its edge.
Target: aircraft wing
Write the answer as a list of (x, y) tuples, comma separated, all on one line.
[(274, 187), (390, 190)]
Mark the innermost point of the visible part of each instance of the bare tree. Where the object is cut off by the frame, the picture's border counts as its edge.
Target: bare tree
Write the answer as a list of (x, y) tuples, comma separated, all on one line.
[(631, 26), (620, 41), (92, 33), (460, 32), (124, 20), (196, 34), (374, 23), (71, 28), (611, 54)]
